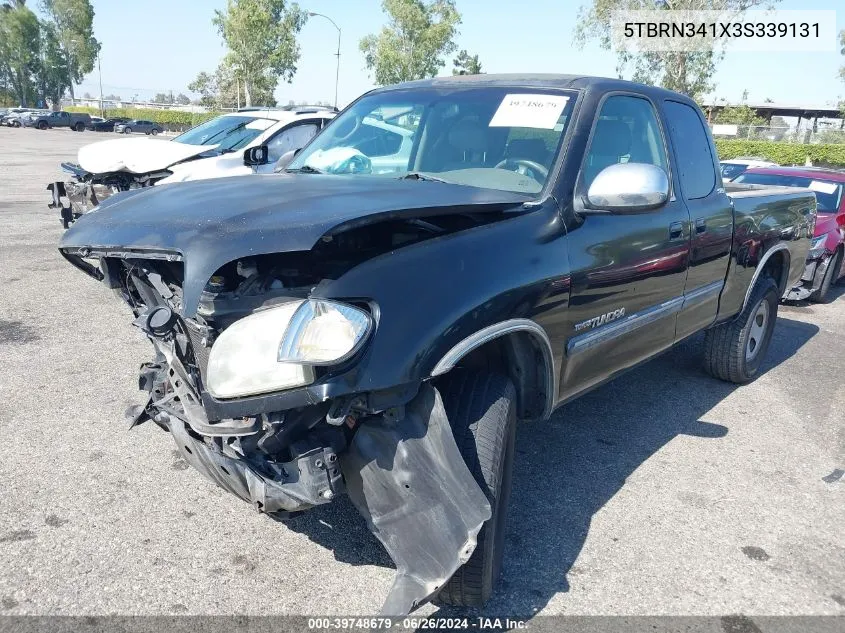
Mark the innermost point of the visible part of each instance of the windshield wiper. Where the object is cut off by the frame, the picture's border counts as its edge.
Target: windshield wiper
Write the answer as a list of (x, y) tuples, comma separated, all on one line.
[(418, 175), (305, 169)]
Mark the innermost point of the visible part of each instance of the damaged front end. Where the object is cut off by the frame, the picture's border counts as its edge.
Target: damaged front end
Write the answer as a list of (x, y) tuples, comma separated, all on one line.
[(85, 190), (253, 388), (819, 258)]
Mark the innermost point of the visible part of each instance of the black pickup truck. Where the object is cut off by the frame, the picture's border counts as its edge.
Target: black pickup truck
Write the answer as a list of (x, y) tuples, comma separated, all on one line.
[(447, 257)]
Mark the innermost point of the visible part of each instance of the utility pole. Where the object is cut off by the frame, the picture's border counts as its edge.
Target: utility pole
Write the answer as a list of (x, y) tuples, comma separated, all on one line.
[(100, 72)]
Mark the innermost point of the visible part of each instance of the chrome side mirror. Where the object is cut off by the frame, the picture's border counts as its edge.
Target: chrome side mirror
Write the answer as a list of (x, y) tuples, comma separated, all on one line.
[(628, 188)]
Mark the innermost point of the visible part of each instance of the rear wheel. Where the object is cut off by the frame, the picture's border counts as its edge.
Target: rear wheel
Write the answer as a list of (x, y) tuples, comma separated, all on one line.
[(482, 412), (80, 127), (734, 351), (822, 295)]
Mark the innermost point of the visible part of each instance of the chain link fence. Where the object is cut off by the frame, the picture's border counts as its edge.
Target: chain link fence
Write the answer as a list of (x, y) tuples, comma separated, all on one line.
[(784, 134)]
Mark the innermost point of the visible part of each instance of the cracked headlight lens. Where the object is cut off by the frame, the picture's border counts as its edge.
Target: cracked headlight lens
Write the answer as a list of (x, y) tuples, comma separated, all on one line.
[(276, 349)]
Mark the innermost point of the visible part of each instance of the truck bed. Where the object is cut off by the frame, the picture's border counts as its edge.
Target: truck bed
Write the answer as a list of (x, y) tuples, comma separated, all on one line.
[(766, 218)]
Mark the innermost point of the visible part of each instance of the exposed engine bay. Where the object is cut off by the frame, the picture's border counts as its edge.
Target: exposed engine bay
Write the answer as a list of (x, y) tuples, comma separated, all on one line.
[(421, 502)]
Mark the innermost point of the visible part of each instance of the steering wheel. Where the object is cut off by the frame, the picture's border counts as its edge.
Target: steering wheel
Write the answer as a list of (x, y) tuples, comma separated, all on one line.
[(525, 167), (356, 124)]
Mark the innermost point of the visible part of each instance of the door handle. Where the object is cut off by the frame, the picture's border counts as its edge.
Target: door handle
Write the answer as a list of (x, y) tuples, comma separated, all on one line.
[(676, 230), (700, 225)]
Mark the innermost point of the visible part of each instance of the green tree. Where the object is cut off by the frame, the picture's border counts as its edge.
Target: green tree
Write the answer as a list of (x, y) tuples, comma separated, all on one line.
[(182, 99), (220, 89), (163, 97), (261, 38), (738, 115), (413, 45), (20, 35), (466, 64), (72, 26), (689, 72)]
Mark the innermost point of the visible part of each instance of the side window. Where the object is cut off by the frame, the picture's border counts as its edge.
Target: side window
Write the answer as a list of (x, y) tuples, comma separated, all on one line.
[(692, 147), (291, 138), (626, 132)]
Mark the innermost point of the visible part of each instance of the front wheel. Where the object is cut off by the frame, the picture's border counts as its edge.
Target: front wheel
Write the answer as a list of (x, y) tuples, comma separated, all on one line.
[(42, 125), (734, 351), (80, 127), (127, 130), (154, 132), (482, 413)]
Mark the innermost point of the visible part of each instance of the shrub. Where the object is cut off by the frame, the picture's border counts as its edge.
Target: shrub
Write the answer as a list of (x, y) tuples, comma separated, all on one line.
[(171, 119), (832, 155)]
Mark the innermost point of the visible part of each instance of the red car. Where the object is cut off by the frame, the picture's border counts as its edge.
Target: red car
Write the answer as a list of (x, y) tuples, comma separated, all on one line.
[(824, 262)]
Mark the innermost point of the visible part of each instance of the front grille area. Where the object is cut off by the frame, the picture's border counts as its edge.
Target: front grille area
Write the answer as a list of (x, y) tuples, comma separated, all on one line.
[(200, 351)]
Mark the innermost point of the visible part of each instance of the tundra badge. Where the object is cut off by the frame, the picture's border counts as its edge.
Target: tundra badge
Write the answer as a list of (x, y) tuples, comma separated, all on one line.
[(600, 320)]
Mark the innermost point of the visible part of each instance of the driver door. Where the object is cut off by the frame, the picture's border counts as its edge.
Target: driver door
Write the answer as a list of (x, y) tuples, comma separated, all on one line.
[(628, 271)]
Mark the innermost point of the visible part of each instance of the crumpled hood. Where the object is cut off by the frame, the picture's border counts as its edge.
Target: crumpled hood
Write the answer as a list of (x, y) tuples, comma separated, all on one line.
[(213, 222), (136, 155)]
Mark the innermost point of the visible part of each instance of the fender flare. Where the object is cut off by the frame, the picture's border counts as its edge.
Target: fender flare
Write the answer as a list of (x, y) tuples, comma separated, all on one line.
[(498, 330), (783, 284)]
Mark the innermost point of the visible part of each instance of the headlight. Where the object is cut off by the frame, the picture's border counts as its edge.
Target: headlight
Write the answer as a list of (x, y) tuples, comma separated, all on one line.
[(324, 333), (817, 248), (276, 348)]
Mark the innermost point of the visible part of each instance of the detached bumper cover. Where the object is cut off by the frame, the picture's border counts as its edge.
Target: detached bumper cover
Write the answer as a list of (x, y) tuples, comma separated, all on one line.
[(409, 481), (811, 279)]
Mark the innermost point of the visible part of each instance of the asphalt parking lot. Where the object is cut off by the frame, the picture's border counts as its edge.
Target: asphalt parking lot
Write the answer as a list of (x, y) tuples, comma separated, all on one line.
[(663, 493)]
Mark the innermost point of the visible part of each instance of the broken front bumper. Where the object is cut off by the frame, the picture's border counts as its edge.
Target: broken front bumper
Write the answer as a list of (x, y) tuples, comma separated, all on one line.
[(811, 279), (74, 199)]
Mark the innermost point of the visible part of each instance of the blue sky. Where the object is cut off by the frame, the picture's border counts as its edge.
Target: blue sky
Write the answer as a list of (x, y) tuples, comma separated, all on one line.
[(161, 45)]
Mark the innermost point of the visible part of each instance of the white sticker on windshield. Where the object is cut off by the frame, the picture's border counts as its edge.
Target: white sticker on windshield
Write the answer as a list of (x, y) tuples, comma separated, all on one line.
[(822, 187), (529, 110)]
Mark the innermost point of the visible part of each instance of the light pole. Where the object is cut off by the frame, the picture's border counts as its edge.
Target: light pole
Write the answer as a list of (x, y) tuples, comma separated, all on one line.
[(70, 74), (100, 72), (337, 72)]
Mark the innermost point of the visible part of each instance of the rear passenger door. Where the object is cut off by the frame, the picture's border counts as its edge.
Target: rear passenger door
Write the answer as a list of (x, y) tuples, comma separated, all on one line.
[(710, 211)]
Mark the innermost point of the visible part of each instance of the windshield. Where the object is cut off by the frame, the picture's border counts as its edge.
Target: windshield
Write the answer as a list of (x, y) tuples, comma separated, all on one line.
[(828, 194), (494, 138), (732, 170), (230, 132)]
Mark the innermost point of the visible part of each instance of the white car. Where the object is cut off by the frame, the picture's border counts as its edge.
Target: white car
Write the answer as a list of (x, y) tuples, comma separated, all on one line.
[(217, 148), (735, 166)]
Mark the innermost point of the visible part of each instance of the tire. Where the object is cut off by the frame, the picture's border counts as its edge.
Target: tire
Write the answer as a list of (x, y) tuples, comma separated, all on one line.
[(822, 295), (127, 130), (42, 125), (154, 131), (482, 413), (80, 127), (734, 351)]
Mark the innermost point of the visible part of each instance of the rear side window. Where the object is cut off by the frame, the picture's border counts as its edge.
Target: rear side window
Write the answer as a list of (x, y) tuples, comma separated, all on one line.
[(692, 147)]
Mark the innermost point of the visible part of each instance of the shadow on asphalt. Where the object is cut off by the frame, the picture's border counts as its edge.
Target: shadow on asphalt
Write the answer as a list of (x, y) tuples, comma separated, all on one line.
[(567, 469)]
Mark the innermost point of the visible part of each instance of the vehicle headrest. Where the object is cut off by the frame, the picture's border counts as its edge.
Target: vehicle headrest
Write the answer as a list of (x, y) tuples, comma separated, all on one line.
[(468, 135), (612, 138)]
